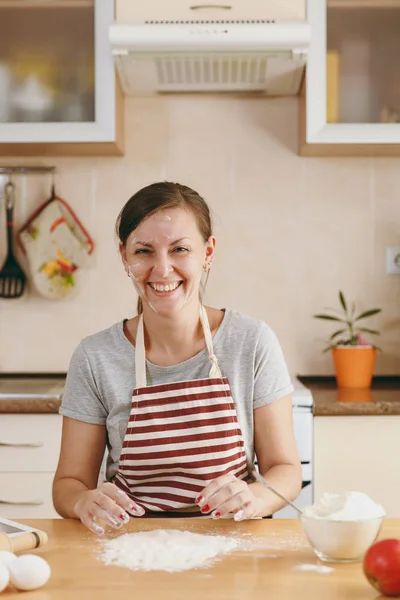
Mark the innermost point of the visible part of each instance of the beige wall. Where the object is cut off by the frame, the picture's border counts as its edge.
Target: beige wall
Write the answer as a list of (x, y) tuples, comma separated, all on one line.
[(291, 231)]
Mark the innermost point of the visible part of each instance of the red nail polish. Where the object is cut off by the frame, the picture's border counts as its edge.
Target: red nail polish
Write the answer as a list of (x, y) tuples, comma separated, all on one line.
[(199, 499), (217, 515), (205, 508)]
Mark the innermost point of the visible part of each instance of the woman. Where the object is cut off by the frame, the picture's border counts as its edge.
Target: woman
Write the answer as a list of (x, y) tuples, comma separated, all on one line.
[(181, 395)]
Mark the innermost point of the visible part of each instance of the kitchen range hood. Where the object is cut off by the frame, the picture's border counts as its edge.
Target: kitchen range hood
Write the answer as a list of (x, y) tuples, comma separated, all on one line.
[(245, 46)]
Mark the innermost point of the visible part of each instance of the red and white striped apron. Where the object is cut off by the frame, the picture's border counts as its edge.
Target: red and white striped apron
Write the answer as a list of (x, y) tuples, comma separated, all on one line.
[(180, 436)]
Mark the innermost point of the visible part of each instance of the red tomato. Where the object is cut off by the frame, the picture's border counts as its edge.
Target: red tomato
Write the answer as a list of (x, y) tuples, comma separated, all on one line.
[(381, 566)]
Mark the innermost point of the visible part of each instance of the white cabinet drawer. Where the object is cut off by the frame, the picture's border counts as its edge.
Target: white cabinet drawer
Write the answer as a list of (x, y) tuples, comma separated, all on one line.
[(26, 496), (29, 442)]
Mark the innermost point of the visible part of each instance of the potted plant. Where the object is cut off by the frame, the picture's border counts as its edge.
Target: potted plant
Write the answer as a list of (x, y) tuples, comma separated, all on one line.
[(353, 356)]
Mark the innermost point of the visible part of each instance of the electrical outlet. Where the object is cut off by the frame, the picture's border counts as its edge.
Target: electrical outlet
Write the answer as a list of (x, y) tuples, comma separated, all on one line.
[(393, 260)]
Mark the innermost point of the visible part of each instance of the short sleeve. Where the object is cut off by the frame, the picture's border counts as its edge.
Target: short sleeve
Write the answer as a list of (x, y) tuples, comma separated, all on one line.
[(81, 399), (271, 375)]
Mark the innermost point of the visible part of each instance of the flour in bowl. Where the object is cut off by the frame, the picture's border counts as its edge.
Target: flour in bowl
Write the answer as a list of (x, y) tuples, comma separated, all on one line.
[(165, 550), (347, 506)]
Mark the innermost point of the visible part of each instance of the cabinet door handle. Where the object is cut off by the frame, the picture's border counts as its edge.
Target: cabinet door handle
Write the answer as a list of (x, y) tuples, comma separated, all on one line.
[(22, 502), (22, 444)]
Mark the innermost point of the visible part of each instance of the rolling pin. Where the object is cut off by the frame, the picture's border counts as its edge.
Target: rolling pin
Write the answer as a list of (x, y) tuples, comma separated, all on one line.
[(24, 541)]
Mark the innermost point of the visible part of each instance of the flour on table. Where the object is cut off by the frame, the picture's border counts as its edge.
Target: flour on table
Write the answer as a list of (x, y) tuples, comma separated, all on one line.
[(165, 550), (316, 568)]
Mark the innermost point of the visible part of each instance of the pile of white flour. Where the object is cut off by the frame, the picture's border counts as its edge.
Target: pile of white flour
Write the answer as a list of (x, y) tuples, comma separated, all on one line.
[(165, 550)]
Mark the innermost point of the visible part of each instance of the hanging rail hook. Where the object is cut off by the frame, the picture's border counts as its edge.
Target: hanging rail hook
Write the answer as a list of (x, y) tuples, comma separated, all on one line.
[(53, 184), (26, 170), (9, 190)]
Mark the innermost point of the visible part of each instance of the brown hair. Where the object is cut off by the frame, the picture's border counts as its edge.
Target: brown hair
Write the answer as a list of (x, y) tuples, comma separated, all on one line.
[(156, 197)]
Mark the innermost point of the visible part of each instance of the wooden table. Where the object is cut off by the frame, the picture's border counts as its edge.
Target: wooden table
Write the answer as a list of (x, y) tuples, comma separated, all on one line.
[(263, 573)]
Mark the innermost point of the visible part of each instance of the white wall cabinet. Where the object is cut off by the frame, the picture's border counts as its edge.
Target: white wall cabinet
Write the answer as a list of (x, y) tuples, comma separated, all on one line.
[(351, 104), (359, 453), (29, 451), (59, 91)]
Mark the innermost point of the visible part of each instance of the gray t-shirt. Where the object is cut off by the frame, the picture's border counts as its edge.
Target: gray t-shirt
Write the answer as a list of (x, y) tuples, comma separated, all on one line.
[(101, 377)]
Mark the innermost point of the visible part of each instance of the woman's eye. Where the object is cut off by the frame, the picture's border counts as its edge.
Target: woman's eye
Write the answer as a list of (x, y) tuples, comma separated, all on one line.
[(141, 251), (180, 249)]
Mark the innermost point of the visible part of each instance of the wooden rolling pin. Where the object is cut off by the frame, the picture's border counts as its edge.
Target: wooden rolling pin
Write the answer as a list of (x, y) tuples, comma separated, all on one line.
[(24, 541)]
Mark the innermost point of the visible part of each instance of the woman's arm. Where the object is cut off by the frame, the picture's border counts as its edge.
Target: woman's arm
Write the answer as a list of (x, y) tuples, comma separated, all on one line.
[(277, 456), (75, 491), (82, 451)]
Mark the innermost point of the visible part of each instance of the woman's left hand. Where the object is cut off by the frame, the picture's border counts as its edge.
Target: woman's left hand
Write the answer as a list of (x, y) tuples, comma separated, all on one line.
[(228, 494)]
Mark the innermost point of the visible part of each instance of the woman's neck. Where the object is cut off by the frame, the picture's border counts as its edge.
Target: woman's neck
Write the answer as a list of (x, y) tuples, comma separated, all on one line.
[(172, 339)]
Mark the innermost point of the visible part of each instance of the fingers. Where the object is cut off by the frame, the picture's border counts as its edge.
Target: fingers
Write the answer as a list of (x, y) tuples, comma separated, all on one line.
[(248, 511), (107, 510), (107, 504), (232, 504), (224, 495), (90, 523), (122, 499), (223, 484)]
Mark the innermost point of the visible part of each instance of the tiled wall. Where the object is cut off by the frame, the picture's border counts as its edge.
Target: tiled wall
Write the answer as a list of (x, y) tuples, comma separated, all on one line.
[(291, 231)]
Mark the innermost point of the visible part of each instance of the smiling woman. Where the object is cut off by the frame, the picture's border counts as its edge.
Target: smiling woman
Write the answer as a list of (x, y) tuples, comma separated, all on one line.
[(174, 239), (183, 395)]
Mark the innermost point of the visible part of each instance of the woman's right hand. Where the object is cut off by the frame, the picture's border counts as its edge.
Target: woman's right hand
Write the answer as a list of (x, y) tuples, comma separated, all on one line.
[(108, 504)]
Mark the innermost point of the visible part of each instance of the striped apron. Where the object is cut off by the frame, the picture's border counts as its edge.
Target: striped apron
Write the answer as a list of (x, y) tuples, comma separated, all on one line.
[(180, 436)]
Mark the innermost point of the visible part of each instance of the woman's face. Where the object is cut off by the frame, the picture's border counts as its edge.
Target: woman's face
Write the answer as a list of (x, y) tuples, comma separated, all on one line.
[(165, 257)]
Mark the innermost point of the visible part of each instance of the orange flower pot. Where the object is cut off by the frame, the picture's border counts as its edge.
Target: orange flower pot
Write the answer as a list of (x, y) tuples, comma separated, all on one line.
[(354, 365)]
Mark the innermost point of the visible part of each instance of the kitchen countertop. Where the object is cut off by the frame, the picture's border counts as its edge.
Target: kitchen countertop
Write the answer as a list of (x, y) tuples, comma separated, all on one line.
[(31, 393), (77, 573), (43, 393), (382, 399)]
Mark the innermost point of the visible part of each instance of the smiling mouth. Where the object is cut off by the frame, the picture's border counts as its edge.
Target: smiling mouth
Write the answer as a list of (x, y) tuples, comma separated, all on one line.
[(167, 288)]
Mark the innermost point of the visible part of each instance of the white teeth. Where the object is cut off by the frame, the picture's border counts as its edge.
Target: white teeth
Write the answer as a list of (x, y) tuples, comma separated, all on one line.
[(164, 288)]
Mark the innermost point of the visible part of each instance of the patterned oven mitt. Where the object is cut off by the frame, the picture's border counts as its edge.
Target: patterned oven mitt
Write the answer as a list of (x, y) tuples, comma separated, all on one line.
[(55, 244)]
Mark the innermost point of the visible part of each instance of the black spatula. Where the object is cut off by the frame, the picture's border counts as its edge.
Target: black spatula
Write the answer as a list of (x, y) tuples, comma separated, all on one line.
[(12, 277)]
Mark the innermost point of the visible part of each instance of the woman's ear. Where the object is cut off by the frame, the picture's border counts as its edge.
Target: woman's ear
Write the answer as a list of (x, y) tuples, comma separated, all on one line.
[(210, 249), (122, 252)]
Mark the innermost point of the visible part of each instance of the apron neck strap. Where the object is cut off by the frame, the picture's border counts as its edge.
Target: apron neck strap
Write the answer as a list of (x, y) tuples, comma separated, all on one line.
[(140, 352)]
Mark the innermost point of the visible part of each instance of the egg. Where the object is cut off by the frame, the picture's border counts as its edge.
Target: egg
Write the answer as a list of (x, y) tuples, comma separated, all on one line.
[(29, 572), (6, 557), (4, 577)]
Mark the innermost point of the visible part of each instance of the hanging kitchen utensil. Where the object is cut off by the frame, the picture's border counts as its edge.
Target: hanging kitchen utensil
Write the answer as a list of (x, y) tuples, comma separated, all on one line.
[(12, 277), (55, 244)]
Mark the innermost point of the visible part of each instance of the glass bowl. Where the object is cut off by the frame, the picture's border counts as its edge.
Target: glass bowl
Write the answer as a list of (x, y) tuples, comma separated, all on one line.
[(340, 541)]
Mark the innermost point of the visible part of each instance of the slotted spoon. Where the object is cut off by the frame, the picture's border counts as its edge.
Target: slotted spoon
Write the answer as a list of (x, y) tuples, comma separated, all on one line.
[(12, 277)]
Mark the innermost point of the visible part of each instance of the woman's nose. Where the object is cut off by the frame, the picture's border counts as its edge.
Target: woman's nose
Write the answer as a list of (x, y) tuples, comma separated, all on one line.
[(162, 266)]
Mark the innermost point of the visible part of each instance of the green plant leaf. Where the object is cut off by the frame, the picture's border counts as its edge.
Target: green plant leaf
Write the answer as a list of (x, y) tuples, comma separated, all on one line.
[(368, 313), (353, 310), (329, 318), (343, 301), (371, 331), (337, 333), (335, 310), (328, 348)]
